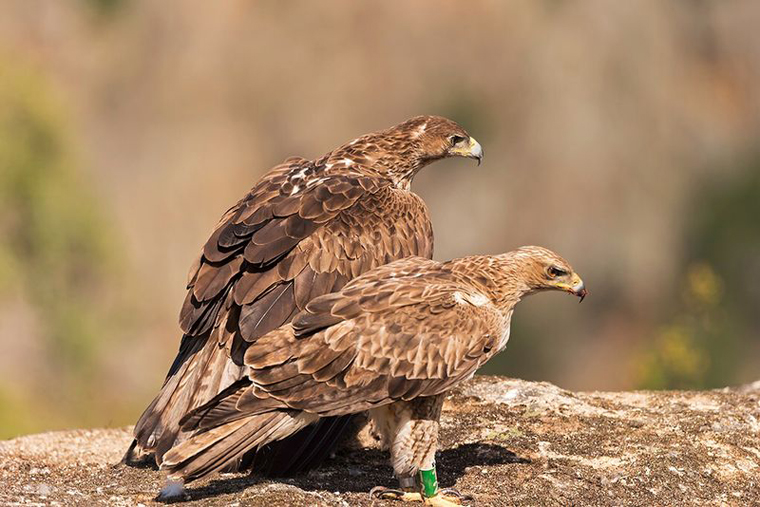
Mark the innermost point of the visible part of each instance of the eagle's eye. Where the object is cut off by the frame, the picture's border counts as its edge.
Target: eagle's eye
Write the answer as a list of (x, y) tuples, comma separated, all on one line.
[(455, 139), (555, 272)]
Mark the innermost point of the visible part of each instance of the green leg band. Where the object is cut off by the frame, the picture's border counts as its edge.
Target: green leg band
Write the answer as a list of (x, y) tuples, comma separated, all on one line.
[(429, 480)]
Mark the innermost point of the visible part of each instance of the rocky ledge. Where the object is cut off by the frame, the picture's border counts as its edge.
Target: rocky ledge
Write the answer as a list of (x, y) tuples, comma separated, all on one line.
[(505, 441)]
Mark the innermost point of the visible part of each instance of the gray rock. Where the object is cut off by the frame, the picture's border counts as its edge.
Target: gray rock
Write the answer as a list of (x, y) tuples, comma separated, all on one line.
[(505, 441)]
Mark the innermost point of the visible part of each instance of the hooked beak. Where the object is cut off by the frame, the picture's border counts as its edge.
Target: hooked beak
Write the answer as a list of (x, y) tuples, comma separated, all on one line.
[(580, 291), (577, 288), (472, 150)]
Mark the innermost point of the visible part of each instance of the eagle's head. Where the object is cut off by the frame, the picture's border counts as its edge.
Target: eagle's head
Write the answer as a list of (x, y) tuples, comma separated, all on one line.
[(402, 150), (543, 269), (436, 137)]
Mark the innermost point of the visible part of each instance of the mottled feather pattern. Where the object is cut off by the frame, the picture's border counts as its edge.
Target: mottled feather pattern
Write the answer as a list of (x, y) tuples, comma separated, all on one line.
[(268, 293), (304, 230), (357, 337), (389, 338), (360, 347)]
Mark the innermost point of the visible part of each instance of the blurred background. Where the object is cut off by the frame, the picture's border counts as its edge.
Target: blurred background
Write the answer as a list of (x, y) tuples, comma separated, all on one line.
[(624, 135)]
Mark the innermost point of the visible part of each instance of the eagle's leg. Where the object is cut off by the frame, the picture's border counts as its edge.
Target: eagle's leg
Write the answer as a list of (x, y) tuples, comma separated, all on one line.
[(411, 427)]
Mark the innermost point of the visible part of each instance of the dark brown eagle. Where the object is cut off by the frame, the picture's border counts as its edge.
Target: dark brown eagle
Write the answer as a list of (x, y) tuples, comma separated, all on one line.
[(304, 230), (392, 341)]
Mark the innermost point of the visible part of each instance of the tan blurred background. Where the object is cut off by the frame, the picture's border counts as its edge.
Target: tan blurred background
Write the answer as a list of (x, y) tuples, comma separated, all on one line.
[(622, 134)]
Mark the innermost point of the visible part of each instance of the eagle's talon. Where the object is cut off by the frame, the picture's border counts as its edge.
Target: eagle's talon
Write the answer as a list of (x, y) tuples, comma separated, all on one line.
[(464, 497), (443, 499), (383, 493)]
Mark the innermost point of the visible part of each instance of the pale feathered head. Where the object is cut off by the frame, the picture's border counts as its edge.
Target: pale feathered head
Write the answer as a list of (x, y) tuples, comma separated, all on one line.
[(541, 269)]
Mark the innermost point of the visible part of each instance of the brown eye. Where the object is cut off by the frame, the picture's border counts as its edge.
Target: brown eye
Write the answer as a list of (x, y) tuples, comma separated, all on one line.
[(456, 140), (555, 272)]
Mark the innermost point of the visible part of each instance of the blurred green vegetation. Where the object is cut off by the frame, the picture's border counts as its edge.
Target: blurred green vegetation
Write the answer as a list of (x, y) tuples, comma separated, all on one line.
[(106, 8), (678, 357), (56, 249), (715, 319)]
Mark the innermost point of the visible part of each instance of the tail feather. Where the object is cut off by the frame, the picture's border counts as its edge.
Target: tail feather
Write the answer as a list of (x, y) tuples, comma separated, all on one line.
[(224, 408), (214, 449), (155, 423), (220, 409), (197, 375), (199, 392)]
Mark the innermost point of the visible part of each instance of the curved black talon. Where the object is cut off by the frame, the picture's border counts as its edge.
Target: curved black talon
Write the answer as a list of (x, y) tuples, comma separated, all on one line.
[(455, 493), (383, 493)]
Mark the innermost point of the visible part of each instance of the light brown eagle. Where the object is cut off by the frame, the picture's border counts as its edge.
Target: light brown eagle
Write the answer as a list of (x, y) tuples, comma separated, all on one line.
[(304, 230), (392, 341)]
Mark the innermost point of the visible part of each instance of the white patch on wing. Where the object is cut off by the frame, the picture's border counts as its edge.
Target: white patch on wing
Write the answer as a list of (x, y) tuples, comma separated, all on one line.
[(295, 190), (505, 335), (475, 299), (348, 162), (314, 183), (479, 299), (504, 339), (419, 130)]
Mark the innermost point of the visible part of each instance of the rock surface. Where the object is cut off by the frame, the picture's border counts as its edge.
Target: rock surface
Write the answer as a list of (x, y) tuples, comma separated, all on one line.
[(506, 442)]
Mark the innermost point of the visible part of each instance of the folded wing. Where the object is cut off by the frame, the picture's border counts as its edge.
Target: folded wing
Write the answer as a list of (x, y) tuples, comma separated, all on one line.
[(298, 234)]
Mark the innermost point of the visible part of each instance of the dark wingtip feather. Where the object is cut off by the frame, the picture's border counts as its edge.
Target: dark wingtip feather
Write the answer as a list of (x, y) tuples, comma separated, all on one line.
[(301, 451)]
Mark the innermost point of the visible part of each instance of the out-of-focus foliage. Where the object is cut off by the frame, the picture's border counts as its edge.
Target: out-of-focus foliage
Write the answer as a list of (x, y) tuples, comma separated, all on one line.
[(717, 320), (678, 357), (55, 246), (106, 8), (725, 231)]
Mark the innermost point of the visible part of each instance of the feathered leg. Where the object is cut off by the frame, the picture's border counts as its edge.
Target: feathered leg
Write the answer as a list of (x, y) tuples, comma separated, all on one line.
[(411, 429)]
